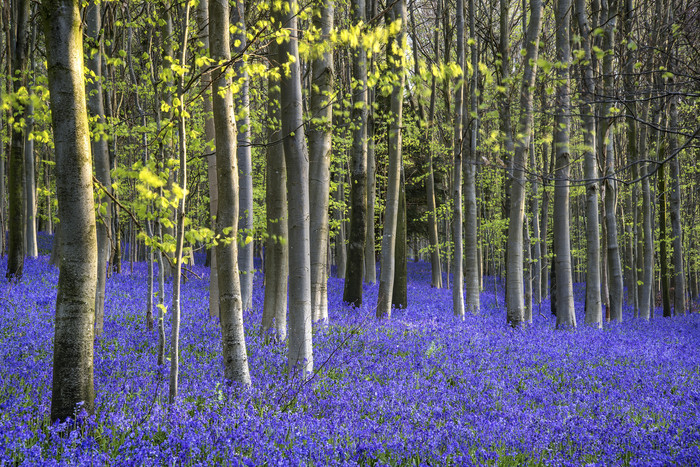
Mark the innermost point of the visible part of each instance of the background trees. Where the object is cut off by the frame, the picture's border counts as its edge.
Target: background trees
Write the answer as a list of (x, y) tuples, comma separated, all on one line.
[(603, 104)]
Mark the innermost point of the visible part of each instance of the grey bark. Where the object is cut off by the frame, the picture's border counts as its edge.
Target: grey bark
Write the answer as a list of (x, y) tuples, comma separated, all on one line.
[(274, 320), (180, 226), (16, 178), (245, 161), (209, 135), (370, 250), (645, 295), (615, 278), (300, 344), (679, 292), (399, 294), (396, 68), (562, 249), (352, 292), (515, 300), (100, 156), (340, 251), (230, 295), (594, 311), (458, 147), (471, 240), (75, 301), (30, 162), (320, 145)]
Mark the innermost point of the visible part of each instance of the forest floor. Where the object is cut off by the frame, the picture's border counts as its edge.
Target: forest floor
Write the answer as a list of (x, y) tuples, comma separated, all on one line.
[(420, 389)]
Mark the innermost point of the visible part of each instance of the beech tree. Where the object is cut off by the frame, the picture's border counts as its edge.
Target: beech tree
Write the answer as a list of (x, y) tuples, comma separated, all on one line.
[(73, 387)]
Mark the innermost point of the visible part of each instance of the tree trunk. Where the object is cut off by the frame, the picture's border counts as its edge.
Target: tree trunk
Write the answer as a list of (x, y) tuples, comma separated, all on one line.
[(300, 345), (340, 252), (370, 250), (320, 139), (274, 320), (515, 301), (593, 312), (352, 292), (16, 179), (458, 147), (180, 226), (471, 240), (30, 163), (399, 295), (615, 279), (645, 296), (75, 302), (245, 161), (100, 157), (679, 304), (566, 316), (396, 67), (230, 295), (210, 135)]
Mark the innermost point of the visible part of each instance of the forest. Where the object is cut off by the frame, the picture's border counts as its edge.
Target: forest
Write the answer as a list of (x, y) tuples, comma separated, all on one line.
[(364, 232)]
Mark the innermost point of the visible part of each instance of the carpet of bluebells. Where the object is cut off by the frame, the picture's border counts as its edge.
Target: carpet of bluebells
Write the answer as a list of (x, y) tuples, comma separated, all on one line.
[(421, 389)]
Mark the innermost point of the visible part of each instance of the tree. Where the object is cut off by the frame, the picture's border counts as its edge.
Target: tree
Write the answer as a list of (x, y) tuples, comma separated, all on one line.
[(75, 301), (515, 300), (16, 178), (562, 249), (274, 318), (458, 146), (397, 13), (320, 139), (230, 300), (245, 162), (594, 311), (100, 155), (358, 181), (300, 346)]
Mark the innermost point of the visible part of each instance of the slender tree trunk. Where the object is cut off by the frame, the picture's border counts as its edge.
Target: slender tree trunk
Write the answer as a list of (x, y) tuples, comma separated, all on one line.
[(274, 320), (16, 178), (160, 313), (615, 279), (370, 250), (245, 161), (396, 67), (320, 139), (209, 135), (29, 162), (399, 296), (100, 156), (594, 312), (515, 301), (471, 240), (340, 252), (300, 344), (562, 249), (180, 226), (230, 295), (352, 292), (75, 302), (679, 305), (645, 297), (458, 147)]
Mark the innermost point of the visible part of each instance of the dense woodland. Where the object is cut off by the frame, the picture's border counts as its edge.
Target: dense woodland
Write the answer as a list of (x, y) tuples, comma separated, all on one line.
[(523, 146)]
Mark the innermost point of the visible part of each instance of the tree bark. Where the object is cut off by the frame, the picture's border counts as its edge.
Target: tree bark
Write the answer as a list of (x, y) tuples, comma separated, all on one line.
[(245, 161), (515, 300), (566, 316), (320, 146), (594, 311), (274, 320), (352, 292), (396, 68), (399, 294), (30, 161), (679, 303), (73, 388), (458, 149), (210, 135), (16, 179), (300, 344), (100, 156)]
